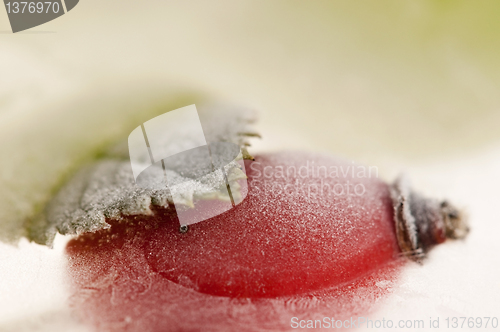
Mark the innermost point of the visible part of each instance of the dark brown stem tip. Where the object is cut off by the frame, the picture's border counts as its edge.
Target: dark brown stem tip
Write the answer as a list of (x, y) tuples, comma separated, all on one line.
[(455, 221), (422, 223)]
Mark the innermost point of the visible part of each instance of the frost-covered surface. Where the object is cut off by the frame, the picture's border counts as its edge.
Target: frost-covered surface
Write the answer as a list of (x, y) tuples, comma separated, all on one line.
[(106, 188)]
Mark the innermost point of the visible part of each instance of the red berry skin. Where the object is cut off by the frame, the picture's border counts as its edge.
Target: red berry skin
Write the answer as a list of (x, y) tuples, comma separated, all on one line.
[(291, 237)]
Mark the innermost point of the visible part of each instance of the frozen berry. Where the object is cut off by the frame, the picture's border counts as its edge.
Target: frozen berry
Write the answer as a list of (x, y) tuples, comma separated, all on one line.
[(311, 231)]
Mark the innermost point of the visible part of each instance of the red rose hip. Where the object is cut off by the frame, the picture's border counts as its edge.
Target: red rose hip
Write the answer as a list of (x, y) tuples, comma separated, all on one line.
[(311, 227), (306, 224)]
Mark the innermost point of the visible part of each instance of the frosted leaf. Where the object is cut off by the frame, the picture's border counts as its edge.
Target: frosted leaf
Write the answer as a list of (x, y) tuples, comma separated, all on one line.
[(107, 189)]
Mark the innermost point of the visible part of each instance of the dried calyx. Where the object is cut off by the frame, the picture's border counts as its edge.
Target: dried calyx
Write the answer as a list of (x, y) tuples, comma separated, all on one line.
[(421, 223)]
